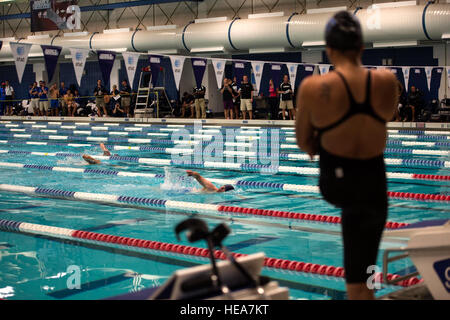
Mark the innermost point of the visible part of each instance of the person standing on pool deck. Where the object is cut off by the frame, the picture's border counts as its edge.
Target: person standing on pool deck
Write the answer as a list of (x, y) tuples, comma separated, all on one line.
[(44, 104), (9, 97), (285, 91), (99, 93), (125, 93), (34, 94), (236, 98), (62, 102), (53, 94), (340, 119), (246, 94), (227, 97), (199, 101)]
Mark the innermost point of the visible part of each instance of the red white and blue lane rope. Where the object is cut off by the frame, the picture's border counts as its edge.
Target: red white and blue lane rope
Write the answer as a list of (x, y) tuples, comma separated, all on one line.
[(132, 243), (175, 205)]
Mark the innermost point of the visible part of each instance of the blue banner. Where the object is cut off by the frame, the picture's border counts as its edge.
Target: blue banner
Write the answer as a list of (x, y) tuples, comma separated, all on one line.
[(51, 55), (199, 66), (238, 71), (305, 71), (275, 71), (155, 67), (106, 61), (436, 77)]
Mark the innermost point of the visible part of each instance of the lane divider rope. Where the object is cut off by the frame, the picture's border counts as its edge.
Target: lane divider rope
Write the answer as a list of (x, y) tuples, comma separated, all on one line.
[(107, 239), (170, 142), (176, 205), (253, 184), (139, 132), (283, 156), (288, 130), (246, 167), (50, 128)]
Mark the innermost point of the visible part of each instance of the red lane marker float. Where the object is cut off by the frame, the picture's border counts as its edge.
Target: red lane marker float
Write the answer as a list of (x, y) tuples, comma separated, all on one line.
[(430, 177), (298, 216), (201, 252), (419, 196)]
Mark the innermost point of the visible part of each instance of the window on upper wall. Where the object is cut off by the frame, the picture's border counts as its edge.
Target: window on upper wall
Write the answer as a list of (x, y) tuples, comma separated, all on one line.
[(387, 62)]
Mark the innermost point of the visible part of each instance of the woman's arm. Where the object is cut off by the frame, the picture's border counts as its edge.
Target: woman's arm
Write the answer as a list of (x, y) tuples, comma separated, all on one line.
[(304, 129)]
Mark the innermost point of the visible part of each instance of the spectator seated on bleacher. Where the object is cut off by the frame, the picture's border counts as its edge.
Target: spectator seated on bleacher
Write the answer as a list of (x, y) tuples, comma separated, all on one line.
[(415, 103)]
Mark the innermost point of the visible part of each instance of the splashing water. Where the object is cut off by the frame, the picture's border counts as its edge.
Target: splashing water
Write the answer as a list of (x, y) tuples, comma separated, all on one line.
[(176, 180)]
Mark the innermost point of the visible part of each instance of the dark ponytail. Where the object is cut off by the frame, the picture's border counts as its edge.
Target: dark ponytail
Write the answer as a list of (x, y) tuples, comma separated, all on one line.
[(343, 32)]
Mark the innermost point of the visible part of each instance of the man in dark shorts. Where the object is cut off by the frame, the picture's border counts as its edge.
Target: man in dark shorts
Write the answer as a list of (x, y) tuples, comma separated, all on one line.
[(227, 95), (199, 102), (285, 92), (340, 119), (125, 93), (246, 94)]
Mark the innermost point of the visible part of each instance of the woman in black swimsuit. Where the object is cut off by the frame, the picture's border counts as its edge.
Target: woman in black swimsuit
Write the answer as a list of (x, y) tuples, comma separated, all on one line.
[(341, 120)]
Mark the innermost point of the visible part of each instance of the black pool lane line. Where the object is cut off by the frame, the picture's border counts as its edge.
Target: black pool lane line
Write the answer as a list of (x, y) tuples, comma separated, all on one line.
[(5, 245), (112, 224), (250, 242), (91, 285), (20, 208), (332, 293)]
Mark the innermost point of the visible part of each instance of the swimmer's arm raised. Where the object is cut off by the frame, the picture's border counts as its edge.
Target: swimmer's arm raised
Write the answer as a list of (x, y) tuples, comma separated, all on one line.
[(204, 182), (304, 129)]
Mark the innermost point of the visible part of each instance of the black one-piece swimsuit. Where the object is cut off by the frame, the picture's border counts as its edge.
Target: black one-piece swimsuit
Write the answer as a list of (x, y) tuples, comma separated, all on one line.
[(359, 188)]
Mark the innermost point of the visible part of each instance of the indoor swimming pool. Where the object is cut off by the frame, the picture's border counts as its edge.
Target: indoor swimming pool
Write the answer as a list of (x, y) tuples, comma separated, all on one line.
[(113, 223)]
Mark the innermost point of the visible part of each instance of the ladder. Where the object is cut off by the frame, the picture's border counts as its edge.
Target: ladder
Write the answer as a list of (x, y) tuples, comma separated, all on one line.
[(143, 94)]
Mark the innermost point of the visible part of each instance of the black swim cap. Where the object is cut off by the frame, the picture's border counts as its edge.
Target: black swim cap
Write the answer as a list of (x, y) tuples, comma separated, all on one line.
[(343, 32), (228, 187)]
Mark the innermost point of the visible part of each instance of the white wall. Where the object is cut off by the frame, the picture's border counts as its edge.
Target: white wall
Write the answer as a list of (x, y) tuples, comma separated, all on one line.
[(214, 95), (313, 56), (114, 79), (187, 82), (39, 70)]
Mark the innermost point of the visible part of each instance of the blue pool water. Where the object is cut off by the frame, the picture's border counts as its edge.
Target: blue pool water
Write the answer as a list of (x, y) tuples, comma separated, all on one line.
[(38, 267)]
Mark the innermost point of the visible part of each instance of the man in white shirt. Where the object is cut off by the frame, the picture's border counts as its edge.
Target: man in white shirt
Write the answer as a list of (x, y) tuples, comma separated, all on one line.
[(9, 96)]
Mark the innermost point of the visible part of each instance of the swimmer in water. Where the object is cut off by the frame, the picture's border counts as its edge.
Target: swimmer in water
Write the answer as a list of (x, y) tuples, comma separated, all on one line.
[(91, 160), (207, 185)]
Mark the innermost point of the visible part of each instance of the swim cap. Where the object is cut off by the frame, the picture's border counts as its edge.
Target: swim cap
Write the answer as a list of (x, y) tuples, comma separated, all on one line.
[(228, 187), (343, 32)]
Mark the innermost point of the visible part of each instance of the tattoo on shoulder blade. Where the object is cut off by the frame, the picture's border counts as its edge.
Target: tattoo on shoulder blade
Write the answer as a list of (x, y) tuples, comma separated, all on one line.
[(325, 92)]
